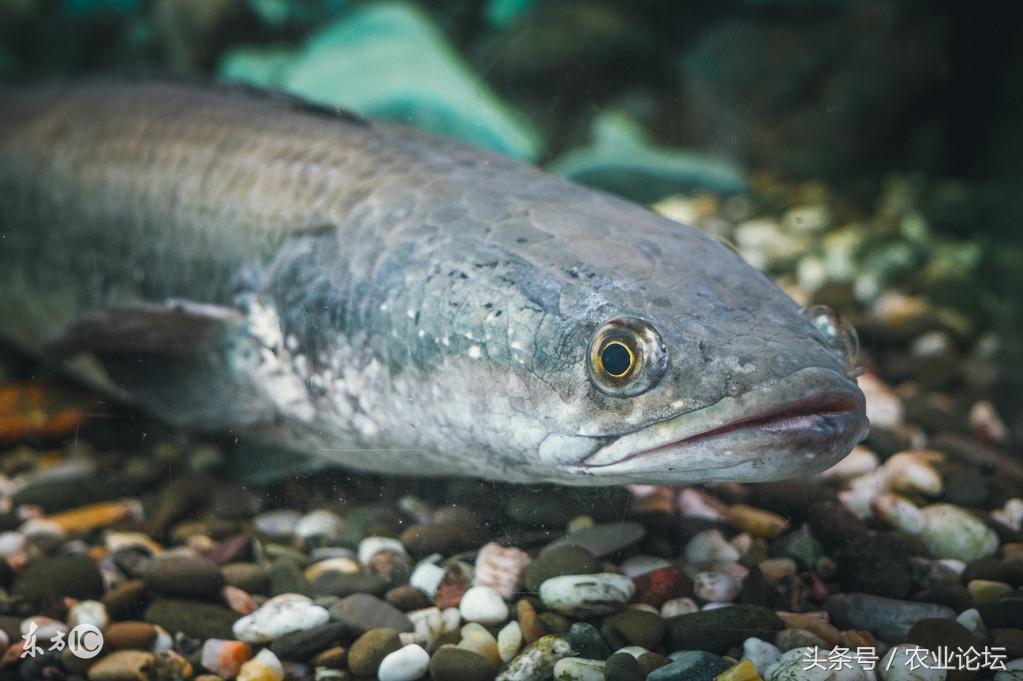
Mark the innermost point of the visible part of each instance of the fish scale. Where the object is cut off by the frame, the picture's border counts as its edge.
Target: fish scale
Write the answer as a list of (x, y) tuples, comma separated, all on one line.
[(375, 297)]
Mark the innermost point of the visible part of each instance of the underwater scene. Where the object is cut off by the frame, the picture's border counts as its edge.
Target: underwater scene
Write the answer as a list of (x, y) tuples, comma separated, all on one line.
[(511, 340)]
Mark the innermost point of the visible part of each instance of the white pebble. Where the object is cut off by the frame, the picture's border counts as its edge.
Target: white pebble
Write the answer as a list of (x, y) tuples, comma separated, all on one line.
[(11, 544), (912, 472), (951, 532), (509, 641), (263, 667), (88, 612), (484, 605), (578, 669), (278, 524), (858, 462), (46, 627), (280, 615), (761, 653), (370, 546), (427, 577), (678, 606), (793, 666), (710, 546), (1013, 671), (1010, 515), (899, 512), (716, 586), (693, 502), (640, 565), (405, 664), (319, 523), (972, 621), (338, 564), (164, 641), (587, 595), (906, 662)]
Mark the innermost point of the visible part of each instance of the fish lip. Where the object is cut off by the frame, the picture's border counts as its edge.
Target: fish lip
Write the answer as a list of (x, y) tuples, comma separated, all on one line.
[(814, 406)]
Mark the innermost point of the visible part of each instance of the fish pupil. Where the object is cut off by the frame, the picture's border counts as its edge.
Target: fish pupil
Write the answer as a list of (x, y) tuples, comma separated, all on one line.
[(616, 358)]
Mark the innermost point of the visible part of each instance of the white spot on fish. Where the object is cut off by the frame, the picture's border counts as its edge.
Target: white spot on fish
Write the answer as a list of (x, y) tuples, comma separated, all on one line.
[(411, 313), (421, 333), (474, 352)]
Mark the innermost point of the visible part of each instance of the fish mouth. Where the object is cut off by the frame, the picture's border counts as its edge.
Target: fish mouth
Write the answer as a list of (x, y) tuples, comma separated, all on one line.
[(802, 425)]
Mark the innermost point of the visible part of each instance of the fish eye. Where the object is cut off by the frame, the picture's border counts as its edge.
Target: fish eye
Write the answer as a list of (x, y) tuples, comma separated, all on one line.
[(838, 333), (626, 358)]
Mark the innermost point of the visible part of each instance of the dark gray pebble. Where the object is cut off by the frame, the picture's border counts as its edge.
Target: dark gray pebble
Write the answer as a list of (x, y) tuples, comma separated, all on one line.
[(192, 618), (875, 564), (249, 577), (185, 577), (302, 645), (719, 629), (61, 576), (587, 642), (343, 584), (691, 665), (1004, 614), (563, 560), (363, 612), (286, 577), (889, 618), (622, 667), (456, 664)]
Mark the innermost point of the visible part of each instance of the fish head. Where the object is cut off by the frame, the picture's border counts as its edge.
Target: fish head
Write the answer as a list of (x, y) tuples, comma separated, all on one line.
[(676, 361)]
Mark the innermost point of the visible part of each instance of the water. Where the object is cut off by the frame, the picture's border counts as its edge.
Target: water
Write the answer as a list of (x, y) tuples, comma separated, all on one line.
[(863, 155)]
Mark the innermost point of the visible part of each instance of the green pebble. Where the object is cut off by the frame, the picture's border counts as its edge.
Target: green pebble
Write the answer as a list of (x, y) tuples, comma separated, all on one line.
[(193, 618), (633, 627), (623, 667), (719, 629), (560, 561), (74, 576)]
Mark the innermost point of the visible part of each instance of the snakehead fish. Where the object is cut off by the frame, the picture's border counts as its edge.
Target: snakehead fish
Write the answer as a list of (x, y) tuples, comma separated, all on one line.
[(362, 293)]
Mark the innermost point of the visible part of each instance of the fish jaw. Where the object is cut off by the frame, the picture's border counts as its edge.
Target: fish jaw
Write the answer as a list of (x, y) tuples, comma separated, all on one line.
[(800, 425)]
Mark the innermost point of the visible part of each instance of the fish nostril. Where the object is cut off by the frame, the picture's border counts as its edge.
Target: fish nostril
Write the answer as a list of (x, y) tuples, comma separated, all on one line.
[(836, 333)]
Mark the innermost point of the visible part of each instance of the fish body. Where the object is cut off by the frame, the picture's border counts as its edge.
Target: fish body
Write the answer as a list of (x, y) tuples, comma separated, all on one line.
[(364, 293)]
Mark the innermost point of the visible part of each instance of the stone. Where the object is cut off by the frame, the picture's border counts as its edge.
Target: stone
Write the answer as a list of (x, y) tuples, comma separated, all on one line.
[(299, 646), (709, 546), (279, 616), (442, 538), (500, 568), (793, 666), (578, 669), (1004, 614), (59, 577), (938, 634), (833, 524), (484, 605), (123, 665), (369, 650), (537, 661), (719, 587), (248, 577), (342, 584), (363, 612), (509, 641), (603, 539), (951, 532), (690, 665), (587, 595), (127, 635), (756, 521), (633, 627), (586, 641), (560, 561), (127, 600), (322, 524), (456, 664), (185, 577), (661, 585), (761, 653), (263, 667), (193, 618), (622, 667), (427, 577), (875, 564), (407, 598), (889, 618), (744, 670), (718, 629), (905, 663), (478, 639), (223, 657), (405, 664), (278, 524), (88, 612)]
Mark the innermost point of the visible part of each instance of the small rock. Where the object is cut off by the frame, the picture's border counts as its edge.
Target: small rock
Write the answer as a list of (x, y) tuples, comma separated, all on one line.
[(587, 595), (678, 606), (761, 653), (123, 665), (263, 667), (442, 538), (363, 612), (951, 532), (758, 522), (456, 664), (279, 524), (662, 584), (369, 650), (622, 667), (537, 661), (370, 546), (939, 635), (690, 665), (906, 663), (531, 625), (484, 605), (633, 627), (427, 577), (405, 664), (509, 641), (61, 576), (587, 642), (1004, 614), (279, 616), (889, 618), (1013, 671), (719, 629), (342, 584), (127, 635), (716, 586), (988, 591), (500, 568), (710, 546), (478, 639), (88, 612), (299, 646), (742, 671), (185, 577), (225, 657), (249, 577), (875, 564), (578, 669), (193, 618), (320, 523), (407, 598), (792, 666), (560, 561), (604, 539)]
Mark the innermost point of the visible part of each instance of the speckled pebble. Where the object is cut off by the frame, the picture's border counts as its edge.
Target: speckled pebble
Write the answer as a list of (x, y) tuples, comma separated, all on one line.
[(537, 661), (578, 669), (587, 595), (1013, 671)]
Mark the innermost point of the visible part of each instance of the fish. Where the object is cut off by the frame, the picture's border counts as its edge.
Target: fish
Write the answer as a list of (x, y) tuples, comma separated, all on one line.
[(360, 293)]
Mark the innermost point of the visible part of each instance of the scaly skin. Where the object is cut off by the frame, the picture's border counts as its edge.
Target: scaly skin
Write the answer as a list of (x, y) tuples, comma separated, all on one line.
[(407, 304)]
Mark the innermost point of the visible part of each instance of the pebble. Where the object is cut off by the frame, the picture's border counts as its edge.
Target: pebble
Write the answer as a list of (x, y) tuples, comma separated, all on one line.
[(363, 612), (937, 634), (537, 661), (951, 532), (798, 637), (370, 649), (342, 564), (123, 665), (875, 564), (407, 598), (716, 586), (279, 616), (587, 595), (193, 618), (678, 606), (635, 566), (320, 523), (531, 625), (88, 612), (744, 670), (905, 663), (224, 657), (719, 629), (710, 546), (442, 538), (578, 669), (187, 577), (988, 591), (1013, 671), (1004, 614), (405, 664), (622, 667), (792, 666), (500, 568), (278, 524), (756, 521), (249, 577), (456, 581), (973, 622), (478, 639), (46, 628), (633, 627), (456, 664), (126, 635), (427, 577), (483, 604), (604, 539), (586, 641), (263, 667), (662, 584), (341, 584), (370, 546), (302, 645), (509, 641), (889, 618), (761, 653), (690, 665), (560, 561), (69, 576)]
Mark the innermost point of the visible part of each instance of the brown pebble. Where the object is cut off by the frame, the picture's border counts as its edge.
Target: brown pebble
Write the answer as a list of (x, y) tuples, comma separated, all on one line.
[(127, 600), (370, 649), (334, 658), (130, 634), (123, 665), (249, 577), (554, 623), (1010, 639), (407, 598), (651, 661), (530, 624)]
